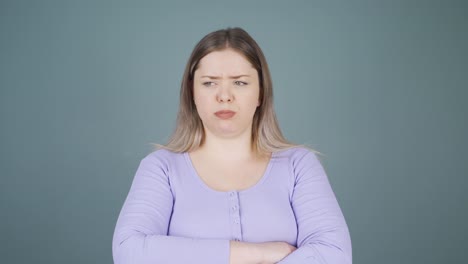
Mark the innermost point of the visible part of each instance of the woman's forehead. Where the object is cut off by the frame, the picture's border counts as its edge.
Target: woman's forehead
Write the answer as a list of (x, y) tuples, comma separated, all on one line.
[(225, 62)]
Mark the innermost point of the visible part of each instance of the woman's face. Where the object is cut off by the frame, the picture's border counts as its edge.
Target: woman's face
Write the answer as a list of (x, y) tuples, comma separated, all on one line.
[(225, 80)]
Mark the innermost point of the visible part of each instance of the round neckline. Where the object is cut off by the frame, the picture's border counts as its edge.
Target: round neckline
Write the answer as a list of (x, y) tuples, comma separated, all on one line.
[(194, 173)]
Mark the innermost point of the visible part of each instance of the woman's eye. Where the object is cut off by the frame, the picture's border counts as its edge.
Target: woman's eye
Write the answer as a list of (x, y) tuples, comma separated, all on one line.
[(207, 84), (240, 83)]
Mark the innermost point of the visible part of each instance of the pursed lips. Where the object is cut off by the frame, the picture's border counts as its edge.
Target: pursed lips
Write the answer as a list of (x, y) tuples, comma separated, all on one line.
[(224, 114)]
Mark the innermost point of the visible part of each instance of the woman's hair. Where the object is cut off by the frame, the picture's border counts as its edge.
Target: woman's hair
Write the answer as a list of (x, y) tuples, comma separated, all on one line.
[(189, 133)]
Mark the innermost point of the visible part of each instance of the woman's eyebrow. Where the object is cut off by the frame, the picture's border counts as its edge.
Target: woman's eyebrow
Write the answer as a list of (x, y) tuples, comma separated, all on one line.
[(230, 77)]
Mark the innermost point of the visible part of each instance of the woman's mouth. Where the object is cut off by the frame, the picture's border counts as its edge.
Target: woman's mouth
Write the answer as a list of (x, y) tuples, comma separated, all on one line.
[(225, 114)]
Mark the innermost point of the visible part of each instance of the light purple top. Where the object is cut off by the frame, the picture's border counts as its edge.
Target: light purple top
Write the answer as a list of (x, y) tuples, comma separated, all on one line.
[(171, 216)]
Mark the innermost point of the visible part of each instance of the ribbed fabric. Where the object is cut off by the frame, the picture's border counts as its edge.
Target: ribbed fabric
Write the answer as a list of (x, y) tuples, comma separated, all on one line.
[(171, 216)]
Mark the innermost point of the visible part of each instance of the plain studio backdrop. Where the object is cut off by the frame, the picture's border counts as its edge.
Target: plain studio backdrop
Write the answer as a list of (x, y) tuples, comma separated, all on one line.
[(379, 87)]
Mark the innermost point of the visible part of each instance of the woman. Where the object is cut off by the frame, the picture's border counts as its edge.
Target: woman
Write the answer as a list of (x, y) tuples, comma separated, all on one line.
[(227, 187)]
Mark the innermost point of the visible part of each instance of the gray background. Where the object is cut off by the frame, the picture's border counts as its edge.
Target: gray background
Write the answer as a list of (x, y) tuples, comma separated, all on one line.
[(379, 88)]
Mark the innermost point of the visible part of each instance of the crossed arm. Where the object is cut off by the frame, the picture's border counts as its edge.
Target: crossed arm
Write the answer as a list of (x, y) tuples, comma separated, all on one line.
[(140, 234)]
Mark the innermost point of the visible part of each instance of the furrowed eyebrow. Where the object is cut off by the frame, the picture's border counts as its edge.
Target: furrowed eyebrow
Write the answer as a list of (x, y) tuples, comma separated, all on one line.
[(230, 77)]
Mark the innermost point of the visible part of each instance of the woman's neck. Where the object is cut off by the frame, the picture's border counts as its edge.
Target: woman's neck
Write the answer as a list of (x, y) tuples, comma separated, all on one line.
[(227, 150)]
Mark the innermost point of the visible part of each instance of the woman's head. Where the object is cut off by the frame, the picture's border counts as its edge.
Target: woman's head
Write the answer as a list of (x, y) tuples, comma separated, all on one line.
[(238, 40), (189, 133), (225, 80)]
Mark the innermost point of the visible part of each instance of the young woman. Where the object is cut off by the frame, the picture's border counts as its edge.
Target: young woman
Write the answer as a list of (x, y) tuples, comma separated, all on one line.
[(228, 187)]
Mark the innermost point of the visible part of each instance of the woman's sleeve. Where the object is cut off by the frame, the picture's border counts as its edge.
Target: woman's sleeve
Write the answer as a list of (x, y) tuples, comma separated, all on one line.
[(323, 235), (140, 234)]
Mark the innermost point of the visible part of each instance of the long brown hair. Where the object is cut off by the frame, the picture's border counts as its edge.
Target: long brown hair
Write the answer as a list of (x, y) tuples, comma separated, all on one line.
[(189, 133)]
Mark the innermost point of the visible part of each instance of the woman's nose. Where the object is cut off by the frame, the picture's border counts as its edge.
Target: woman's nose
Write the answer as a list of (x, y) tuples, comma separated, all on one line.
[(224, 94)]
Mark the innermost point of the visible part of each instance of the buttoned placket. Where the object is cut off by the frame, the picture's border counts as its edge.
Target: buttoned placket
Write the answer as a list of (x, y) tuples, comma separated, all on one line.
[(235, 219)]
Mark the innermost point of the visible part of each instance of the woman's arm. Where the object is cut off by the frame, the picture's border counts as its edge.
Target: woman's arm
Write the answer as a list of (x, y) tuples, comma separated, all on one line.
[(140, 234), (323, 235), (259, 253)]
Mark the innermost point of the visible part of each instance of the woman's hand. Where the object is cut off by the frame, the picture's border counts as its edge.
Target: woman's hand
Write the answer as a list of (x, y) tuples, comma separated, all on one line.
[(259, 253), (273, 252)]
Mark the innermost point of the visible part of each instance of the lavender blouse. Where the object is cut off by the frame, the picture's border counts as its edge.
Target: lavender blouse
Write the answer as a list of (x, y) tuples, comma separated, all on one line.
[(171, 216)]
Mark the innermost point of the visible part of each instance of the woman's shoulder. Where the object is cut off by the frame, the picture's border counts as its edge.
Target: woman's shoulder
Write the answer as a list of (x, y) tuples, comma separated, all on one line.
[(162, 153), (161, 157), (296, 152), (299, 156)]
